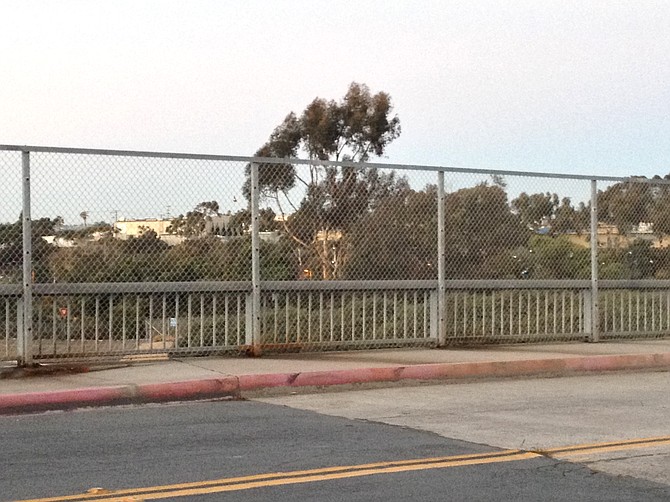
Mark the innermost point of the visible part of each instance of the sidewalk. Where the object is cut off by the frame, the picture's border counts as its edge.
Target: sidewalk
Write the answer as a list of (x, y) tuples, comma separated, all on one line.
[(199, 378)]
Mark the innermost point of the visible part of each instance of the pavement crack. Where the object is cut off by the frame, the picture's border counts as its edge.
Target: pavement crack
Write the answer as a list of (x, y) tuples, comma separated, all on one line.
[(193, 365), (628, 457)]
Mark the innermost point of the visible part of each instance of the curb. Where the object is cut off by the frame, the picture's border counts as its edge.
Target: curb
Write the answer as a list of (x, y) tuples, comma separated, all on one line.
[(234, 386), (12, 404)]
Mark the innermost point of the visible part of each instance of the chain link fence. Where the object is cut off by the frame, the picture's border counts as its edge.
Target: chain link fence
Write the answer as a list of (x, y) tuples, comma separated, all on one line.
[(136, 253)]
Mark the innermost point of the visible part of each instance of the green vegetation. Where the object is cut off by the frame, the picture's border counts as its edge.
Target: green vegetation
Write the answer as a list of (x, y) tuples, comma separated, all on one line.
[(359, 223)]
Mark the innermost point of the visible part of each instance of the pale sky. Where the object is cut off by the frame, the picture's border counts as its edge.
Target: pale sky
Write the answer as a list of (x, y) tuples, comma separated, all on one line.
[(560, 86)]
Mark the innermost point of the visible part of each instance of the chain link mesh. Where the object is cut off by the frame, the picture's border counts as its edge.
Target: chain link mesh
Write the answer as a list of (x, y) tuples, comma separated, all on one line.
[(173, 236), (142, 254), (11, 250), (634, 245)]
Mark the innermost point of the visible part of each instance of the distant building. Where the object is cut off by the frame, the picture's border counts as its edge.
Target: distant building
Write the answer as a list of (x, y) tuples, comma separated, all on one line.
[(125, 228), (609, 236)]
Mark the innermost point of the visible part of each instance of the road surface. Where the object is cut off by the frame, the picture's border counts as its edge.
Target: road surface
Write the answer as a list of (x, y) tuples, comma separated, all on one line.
[(475, 441)]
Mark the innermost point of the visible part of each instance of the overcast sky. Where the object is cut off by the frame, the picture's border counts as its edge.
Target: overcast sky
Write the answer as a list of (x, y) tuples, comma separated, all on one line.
[(560, 86)]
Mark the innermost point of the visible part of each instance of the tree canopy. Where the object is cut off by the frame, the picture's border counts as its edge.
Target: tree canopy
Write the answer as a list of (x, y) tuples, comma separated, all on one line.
[(331, 199)]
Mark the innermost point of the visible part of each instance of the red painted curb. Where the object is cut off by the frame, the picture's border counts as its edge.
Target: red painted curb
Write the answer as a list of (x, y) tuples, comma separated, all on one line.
[(487, 369), (233, 386), (189, 389), (123, 394), (62, 399)]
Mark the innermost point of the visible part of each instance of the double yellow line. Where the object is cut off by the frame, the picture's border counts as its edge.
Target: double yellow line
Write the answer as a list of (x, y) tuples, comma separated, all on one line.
[(594, 448), (293, 477), (348, 471)]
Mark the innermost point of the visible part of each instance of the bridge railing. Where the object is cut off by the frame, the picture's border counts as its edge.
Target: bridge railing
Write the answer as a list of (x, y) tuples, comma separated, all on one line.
[(87, 321), (120, 253)]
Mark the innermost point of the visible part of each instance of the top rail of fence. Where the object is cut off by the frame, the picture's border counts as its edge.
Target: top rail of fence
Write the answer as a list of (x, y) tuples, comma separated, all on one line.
[(274, 160)]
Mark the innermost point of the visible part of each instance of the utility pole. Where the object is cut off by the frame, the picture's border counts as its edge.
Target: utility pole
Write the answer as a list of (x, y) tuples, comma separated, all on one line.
[(115, 212)]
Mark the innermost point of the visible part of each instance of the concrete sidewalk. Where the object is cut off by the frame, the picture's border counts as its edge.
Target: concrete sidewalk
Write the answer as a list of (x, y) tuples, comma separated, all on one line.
[(199, 378)]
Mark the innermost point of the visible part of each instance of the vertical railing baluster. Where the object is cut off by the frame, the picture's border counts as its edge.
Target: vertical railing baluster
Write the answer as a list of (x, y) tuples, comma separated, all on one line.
[(425, 315), (82, 317), (404, 315), (546, 313), (511, 311), (606, 312), (97, 322), (484, 312), (343, 299), (374, 315), (563, 311), (528, 312), (287, 319), (164, 324), (275, 302), (189, 319), (537, 312), (572, 311), (68, 325), (493, 312), (214, 340), (364, 335), (465, 314), (111, 322), (297, 317), (332, 316), (384, 311), (554, 326), (54, 325), (637, 311), (474, 314), (7, 326), (38, 329), (239, 316), (621, 313), (454, 295), (151, 322), (226, 320), (395, 315), (202, 320), (645, 310), (353, 316), (176, 321), (321, 316), (415, 320), (309, 316), (137, 322), (123, 322)]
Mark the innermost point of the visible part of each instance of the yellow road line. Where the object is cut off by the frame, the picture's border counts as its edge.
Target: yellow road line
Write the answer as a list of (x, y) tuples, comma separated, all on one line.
[(326, 477), (282, 477), (621, 447), (585, 446), (349, 471)]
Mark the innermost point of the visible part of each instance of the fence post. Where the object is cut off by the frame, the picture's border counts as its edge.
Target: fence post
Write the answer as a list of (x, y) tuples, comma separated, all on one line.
[(255, 264), (24, 342), (441, 265), (434, 315), (587, 308), (594, 334)]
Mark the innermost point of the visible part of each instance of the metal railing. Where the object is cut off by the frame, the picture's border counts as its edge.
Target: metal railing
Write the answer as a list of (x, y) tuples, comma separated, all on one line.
[(397, 266), (85, 321)]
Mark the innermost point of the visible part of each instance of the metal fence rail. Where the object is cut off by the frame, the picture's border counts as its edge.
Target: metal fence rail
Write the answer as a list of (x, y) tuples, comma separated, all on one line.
[(76, 321), (515, 316), (118, 253)]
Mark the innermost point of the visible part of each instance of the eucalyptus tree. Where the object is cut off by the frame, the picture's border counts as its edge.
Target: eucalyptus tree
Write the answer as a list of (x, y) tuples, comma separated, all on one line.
[(318, 205)]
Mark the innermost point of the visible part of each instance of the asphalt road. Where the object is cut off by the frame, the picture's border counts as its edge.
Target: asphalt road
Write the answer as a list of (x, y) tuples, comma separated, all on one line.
[(277, 452), (529, 414)]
